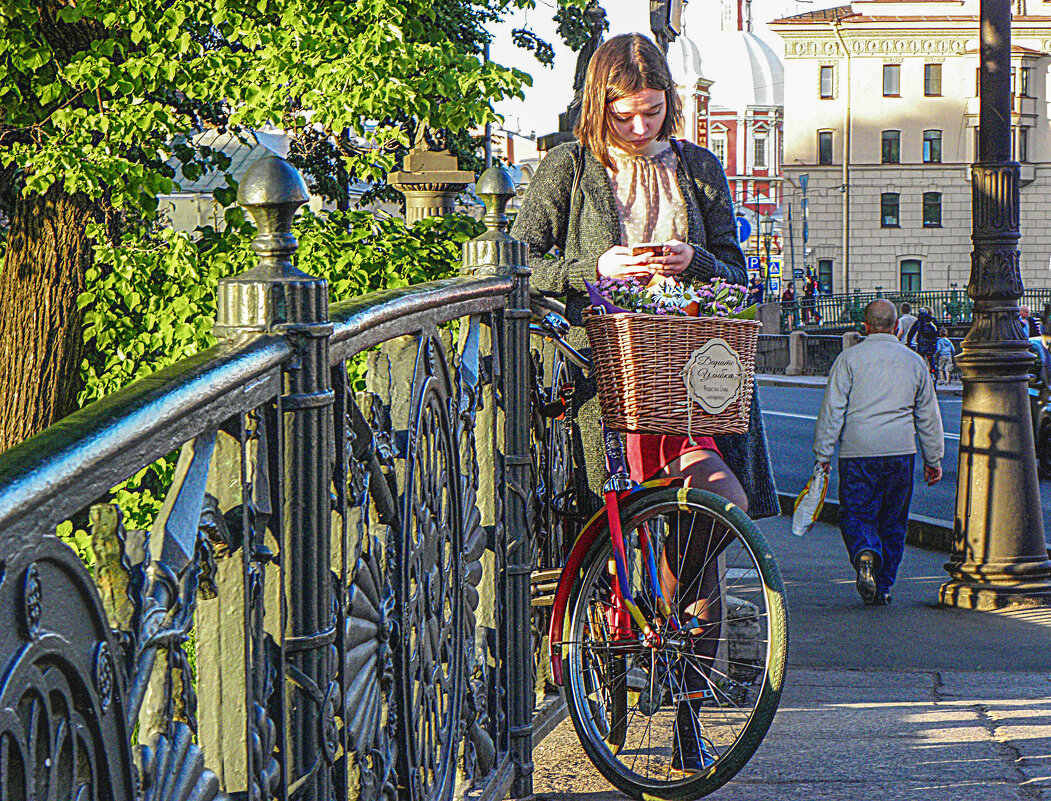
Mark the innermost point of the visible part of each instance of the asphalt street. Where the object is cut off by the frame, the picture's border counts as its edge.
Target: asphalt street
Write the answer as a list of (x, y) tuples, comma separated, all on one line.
[(790, 414)]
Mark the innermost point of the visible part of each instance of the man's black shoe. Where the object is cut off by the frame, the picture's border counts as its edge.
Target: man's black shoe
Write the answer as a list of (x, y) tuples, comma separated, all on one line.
[(866, 583), (883, 599)]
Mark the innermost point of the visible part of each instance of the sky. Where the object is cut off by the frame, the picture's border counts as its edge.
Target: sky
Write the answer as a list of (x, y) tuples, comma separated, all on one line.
[(553, 87)]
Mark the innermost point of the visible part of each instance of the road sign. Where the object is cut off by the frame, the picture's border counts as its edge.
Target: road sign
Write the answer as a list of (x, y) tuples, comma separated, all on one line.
[(775, 266), (775, 287), (752, 263), (798, 272), (744, 229), (804, 179)]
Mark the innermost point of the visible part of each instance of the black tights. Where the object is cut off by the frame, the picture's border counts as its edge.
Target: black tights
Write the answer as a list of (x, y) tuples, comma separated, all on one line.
[(691, 550)]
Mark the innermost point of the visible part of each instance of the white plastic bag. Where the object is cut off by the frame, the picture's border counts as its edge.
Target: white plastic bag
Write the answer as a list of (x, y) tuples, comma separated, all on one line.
[(809, 503)]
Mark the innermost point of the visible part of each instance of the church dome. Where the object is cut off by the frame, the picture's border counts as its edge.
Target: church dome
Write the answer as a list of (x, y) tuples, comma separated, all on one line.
[(744, 70)]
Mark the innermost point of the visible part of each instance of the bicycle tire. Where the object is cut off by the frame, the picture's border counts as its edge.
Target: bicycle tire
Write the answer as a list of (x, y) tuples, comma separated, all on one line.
[(734, 730)]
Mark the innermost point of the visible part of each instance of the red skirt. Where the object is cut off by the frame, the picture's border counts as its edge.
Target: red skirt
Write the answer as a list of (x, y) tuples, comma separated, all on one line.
[(648, 454)]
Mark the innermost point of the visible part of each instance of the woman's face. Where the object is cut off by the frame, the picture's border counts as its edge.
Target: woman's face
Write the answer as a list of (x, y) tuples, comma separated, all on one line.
[(635, 120)]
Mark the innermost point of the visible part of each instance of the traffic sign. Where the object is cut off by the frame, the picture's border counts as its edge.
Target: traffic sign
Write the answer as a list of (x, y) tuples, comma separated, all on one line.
[(775, 287), (744, 229), (751, 263), (798, 272), (775, 266)]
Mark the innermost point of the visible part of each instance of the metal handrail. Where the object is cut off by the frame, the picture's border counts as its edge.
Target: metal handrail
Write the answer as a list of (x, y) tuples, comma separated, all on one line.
[(59, 471), (365, 321)]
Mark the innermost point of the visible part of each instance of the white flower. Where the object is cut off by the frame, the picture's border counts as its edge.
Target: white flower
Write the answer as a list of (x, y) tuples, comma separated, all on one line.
[(690, 294), (669, 295)]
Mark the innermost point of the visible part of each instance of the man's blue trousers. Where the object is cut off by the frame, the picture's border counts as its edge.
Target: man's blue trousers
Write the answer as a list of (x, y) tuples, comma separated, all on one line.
[(874, 497)]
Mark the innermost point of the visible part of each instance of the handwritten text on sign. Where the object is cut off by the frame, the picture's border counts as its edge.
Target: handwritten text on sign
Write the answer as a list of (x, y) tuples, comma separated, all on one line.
[(714, 376)]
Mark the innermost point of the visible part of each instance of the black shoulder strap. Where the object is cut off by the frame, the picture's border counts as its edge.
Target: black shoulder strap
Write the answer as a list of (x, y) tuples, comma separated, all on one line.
[(579, 170), (689, 173)]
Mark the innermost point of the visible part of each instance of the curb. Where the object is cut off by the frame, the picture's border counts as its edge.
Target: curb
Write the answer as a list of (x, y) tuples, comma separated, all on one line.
[(774, 380), (923, 532)]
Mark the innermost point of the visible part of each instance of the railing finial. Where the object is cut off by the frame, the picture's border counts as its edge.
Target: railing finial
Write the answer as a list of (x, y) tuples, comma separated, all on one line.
[(275, 293), (496, 189), (272, 190), (495, 252)]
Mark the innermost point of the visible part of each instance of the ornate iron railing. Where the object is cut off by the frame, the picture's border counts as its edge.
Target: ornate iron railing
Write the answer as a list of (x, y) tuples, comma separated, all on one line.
[(355, 586), (846, 312)]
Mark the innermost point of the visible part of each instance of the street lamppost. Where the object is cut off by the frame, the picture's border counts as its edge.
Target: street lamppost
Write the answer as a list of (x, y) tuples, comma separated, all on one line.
[(1000, 555), (766, 225)]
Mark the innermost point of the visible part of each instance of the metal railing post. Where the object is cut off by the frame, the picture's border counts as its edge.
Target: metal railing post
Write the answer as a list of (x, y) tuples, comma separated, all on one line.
[(495, 252), (277, 297)]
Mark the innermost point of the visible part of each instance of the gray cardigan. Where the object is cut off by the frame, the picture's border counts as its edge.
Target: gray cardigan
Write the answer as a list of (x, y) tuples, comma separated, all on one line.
[(566, 234)]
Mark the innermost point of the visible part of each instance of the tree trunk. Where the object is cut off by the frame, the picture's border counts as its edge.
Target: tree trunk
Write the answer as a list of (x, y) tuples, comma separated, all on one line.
[(41, 329)]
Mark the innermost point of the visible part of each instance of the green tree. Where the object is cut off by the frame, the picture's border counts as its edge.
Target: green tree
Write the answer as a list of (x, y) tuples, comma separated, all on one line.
[(93, 94)]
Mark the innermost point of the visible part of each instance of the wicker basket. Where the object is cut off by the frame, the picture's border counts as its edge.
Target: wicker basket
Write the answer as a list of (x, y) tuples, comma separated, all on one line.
[(673, 375)]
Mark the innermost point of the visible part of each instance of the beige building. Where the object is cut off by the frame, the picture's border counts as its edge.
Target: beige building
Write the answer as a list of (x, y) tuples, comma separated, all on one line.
[(905, 97)]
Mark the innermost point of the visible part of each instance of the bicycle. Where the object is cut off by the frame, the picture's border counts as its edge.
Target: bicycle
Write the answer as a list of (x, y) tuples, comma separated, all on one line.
[(651, 673)]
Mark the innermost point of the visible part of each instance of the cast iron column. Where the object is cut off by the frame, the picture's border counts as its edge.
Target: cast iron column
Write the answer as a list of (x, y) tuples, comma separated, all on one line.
[(496, 253), (1000, 556), (277, 297)]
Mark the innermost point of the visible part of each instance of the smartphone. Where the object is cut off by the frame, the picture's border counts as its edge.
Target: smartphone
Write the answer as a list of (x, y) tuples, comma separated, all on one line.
[(656, 248)]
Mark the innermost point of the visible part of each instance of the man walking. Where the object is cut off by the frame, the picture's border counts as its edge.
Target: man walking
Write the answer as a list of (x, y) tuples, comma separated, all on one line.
[(905, 322), (879, 398)]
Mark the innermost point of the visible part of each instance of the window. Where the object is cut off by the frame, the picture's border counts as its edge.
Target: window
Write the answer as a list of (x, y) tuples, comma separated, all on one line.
[(932, 147), (759, 152), (826, 81), (910, 275), (1026, 82), (932, 80), (719, 147), (1023, 144), (824, 147), (976, 141), (1013, 76), (891, 141), (824, 276), (891, 80), (888, 210), (932, 209)]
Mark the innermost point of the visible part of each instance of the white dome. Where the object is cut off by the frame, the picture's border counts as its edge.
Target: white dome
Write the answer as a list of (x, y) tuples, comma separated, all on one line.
[(684, 60), (744, 70)]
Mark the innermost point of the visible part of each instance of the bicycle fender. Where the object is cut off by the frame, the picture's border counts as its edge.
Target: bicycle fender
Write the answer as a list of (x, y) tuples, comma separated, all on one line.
[(584, 541)]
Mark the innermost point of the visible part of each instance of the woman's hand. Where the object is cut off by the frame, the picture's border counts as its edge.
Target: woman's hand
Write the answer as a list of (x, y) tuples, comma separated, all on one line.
[(617, 262), (677, 259)]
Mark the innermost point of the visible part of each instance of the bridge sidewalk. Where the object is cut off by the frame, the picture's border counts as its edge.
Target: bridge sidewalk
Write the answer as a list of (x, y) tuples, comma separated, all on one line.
[(910, 701)]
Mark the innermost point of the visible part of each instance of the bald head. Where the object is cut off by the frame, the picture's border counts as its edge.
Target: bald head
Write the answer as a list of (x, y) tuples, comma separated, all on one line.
[(881, 317)]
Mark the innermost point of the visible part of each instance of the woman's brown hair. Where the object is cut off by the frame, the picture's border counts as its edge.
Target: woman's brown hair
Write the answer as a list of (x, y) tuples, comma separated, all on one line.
[(624, 65)]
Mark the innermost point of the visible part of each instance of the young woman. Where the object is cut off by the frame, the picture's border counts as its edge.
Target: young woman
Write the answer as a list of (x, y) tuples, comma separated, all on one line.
[(626, 182)]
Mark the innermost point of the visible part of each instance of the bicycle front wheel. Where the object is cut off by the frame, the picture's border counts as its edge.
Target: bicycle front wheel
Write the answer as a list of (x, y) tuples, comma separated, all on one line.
[(675, 710)]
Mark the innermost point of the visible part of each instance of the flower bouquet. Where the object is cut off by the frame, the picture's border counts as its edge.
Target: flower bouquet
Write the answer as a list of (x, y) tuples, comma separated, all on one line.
[(666, 296), (671, 357)]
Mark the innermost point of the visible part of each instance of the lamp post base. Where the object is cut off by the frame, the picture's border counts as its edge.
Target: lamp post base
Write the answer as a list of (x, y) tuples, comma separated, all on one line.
[(986, 597)]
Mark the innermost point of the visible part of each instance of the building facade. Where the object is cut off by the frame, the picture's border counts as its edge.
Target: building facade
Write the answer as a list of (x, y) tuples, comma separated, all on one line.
[(881, 115)]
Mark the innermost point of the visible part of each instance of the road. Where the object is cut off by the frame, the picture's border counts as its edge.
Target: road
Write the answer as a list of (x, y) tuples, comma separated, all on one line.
[(790, 414)]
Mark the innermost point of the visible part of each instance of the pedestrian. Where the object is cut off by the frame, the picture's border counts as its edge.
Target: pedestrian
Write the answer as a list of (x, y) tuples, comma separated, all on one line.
[(905, 321), (626, 181), (788, 303), (789, 295), (1032, 325), (810, 313), (879, 398), (755, 291), (945, 355), (923, 337)]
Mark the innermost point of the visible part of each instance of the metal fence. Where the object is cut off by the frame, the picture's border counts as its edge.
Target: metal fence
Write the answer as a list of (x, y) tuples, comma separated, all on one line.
[(355, 585), (821, 352), (771, 355), (847, 312)]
